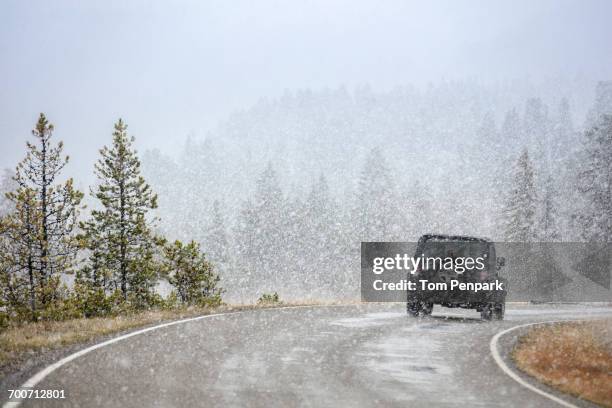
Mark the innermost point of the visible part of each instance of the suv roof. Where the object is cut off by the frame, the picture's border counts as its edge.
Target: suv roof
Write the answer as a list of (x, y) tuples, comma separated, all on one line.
[(445, 237)]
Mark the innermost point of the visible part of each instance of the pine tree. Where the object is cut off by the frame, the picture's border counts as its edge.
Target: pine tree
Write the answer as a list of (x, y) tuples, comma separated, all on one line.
[(511, 131), (423, 217), (322, 240), (548, 226), (41, 226), (521, 204), (260, 236), (217, 243), (119, 234), (537, 132), (191, 274), (565, 148), (19, 233), (534, 121), (602, 104), (563, 126), (376, 209), (595, 183), (244, 234), (269, 204), (511, 127)]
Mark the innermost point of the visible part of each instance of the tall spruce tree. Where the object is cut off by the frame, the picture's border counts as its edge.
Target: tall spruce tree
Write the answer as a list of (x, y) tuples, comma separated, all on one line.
[(39, 232), (260, 236), (549, 216), (19, 233), (595, 183), (217, 243), (119, 234), (376, 209), (321, 240), (521, 204)]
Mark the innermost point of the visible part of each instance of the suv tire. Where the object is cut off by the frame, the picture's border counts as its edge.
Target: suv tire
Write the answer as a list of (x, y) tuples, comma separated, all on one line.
[(487, 312), (499, 311), (413, 308)]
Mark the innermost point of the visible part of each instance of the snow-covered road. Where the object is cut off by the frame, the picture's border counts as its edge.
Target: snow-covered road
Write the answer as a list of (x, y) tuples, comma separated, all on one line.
[(354, 356)]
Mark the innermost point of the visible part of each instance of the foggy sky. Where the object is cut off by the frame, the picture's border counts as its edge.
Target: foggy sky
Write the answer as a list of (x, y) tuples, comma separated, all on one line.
[(176, 68)]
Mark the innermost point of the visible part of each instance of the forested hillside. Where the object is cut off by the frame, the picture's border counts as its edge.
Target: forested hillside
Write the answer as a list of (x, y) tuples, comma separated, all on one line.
[(301, 180)]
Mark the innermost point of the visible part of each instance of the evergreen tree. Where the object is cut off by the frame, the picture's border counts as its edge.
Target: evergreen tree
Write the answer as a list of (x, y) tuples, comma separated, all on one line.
[(245, 238), (216, 238), (260, 235), (564, 151), (487, 132), (521, 204), (19, 233), (423, 214), (602, 104), (595, 183), (548, 226), (564, 127), (191, 274), (269, 206), (536, 129), (294, 259), (511, 127), (534, 121), (319, 236), (377, 211), (40, 229), (119, 234), (320, 209)]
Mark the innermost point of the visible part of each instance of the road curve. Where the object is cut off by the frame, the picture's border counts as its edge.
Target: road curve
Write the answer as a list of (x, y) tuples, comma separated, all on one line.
[(357, 356)]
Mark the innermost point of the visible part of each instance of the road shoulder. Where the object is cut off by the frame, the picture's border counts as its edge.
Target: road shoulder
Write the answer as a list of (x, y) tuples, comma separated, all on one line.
[(502, 346)]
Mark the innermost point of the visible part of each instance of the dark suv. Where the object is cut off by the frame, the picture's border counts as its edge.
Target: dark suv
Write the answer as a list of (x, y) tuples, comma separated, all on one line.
[(490, 302)]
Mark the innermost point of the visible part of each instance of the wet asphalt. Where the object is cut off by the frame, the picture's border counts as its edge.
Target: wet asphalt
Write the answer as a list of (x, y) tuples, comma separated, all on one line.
[(335, 356)]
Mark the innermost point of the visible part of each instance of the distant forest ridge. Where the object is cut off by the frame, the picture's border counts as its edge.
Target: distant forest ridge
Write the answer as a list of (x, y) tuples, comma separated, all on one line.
[(341, 167)]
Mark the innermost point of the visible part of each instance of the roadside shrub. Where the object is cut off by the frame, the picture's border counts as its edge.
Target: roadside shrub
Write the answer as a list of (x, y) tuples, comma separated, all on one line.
[(191, 274), (171, 301), (92, 301), (268, 298), (58, 303)]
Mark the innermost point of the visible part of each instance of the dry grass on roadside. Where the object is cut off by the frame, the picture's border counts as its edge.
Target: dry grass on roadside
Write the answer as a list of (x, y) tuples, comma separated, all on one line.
[(22, 340), (573, 357)]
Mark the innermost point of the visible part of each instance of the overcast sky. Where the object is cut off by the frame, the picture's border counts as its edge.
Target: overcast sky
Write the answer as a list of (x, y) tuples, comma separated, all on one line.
[(174, 68)]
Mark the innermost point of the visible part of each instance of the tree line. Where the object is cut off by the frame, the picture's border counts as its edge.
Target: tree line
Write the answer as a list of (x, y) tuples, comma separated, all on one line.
[(114, 254), (531, 179), (312, 245), (535, 177), (531, 214)]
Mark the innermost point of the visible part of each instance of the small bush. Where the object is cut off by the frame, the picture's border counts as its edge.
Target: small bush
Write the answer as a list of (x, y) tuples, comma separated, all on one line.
[(268, 298), (191, 274)]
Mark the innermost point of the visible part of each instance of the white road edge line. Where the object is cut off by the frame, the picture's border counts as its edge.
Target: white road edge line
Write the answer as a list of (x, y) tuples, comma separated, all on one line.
[(42, 374), (493, 345)]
